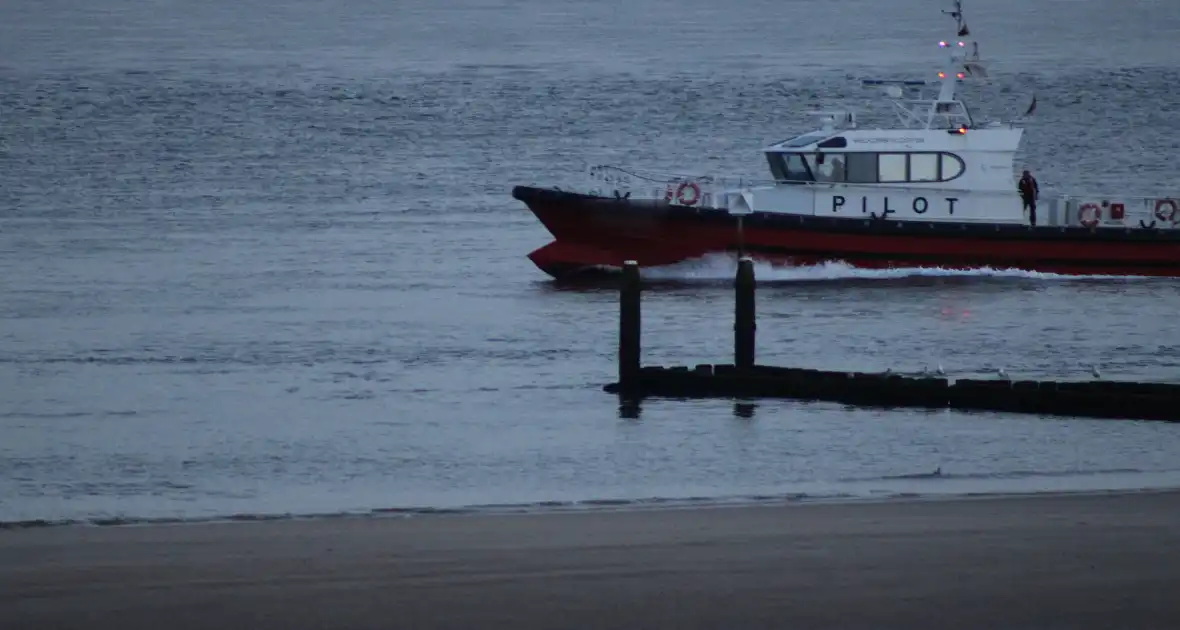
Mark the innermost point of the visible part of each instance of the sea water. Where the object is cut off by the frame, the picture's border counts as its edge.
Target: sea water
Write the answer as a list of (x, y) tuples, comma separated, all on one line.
[(261, 258)]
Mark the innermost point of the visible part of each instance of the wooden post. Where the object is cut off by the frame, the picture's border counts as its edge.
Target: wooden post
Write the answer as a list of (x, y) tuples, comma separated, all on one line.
[(741, 238), (629, 320), (743, 324)]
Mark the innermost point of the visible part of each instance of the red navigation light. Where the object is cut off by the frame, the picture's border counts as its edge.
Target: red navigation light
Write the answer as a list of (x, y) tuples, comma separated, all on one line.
[(942, 75), (960, 130), (942, 44), (961, 44), (960, 75)]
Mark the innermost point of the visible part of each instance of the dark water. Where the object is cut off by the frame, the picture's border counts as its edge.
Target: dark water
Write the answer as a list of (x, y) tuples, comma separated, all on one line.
[(261, 257)]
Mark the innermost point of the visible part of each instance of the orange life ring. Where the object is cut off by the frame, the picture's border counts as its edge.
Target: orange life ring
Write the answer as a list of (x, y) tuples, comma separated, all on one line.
[(1089, 221), (696, 193), (1165, 216)]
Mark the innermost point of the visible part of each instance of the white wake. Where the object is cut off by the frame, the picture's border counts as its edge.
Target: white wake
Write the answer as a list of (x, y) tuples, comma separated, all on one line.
[(723, 267)]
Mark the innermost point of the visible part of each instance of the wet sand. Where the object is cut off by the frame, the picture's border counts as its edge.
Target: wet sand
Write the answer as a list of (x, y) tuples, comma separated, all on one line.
[(1096, 561)]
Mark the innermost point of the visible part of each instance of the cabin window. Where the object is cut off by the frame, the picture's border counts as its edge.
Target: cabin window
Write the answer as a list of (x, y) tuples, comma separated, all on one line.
[(891, 167), (789, 167), (923, 167), (795, 168), (865, 168), (861, 168), (900, 168), (776, 166), (952, 167), (827, 167)]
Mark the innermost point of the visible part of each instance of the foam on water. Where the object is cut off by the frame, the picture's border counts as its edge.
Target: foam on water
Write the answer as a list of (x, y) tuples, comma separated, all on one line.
[(723, 267), (928, 485)]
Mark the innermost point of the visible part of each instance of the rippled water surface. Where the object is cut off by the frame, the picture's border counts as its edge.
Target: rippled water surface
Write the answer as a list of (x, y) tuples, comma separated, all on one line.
[(262, 258)]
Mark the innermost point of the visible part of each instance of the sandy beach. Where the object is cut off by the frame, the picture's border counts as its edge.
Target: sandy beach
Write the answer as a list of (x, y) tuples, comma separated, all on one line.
[(1074, 561)]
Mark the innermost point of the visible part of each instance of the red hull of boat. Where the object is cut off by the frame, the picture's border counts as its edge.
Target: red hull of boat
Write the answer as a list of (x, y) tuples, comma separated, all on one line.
[(596, 233)]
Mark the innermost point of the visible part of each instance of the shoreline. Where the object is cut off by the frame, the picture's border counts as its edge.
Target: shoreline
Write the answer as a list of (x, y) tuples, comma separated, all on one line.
[(587, 506), (1094, 560)]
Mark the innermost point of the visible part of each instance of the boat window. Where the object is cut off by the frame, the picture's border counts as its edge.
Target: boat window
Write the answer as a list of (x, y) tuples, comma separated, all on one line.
[(861, 168), (866, 168), (776, 166), (789, 167), (835, 143), (952, 167), (923, 167), (794, 169), (827, 167), (891, 167)]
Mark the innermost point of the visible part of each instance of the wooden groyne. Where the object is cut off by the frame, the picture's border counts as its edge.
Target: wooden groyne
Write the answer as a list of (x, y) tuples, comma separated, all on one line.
[(745, 379)]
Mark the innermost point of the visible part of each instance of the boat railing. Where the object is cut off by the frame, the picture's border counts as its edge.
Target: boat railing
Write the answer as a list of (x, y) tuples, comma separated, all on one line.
[(1126, 211), (606, 179), (702, 190), (641, 184), (1106, 197)]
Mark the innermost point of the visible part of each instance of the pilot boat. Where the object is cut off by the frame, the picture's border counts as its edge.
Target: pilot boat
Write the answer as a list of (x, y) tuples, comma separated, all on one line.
[(937, 190)]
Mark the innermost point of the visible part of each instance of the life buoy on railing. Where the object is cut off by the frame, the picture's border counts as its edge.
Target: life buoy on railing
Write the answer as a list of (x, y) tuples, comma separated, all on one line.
[(1161, 214), (696, 193), (1089, 219)]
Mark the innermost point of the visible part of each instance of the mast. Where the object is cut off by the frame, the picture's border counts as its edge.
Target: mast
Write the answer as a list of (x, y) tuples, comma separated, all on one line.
[(956, 68), (949, 76)]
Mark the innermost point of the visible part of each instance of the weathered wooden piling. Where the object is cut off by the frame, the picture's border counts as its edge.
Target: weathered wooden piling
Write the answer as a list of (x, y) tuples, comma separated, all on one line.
[(629, 329), (744, 323), (1087, 399), (745, 379)]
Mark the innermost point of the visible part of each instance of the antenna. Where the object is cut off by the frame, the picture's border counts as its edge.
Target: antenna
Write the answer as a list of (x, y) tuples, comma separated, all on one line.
[(960, 21)]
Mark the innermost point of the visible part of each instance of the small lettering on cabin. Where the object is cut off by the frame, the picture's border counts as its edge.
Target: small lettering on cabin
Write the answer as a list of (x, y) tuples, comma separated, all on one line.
[(837, 203), (887, 211), (891, 140), (951, 204), (920, 205)]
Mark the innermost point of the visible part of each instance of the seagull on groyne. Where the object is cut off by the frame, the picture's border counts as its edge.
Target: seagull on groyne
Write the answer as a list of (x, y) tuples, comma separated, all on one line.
[(1004, 374), (941, 372), (1094, 371)]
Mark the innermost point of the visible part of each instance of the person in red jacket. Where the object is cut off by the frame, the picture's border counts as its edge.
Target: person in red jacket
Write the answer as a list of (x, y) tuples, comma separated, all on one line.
[(1029, 192)]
